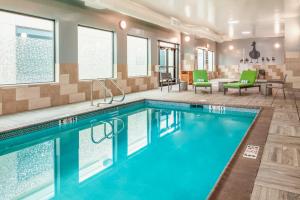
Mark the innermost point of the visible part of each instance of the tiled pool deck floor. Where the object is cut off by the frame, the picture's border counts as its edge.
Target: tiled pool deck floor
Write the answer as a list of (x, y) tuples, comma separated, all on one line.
[(279, 172)]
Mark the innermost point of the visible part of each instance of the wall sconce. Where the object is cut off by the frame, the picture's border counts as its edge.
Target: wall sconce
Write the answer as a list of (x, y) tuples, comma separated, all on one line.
[(277, 45), (187, 38), (230, 47), (123, 24)]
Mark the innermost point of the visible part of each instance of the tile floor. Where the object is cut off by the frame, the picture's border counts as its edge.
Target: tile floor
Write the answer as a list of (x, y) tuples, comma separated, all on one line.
[(279, 173)]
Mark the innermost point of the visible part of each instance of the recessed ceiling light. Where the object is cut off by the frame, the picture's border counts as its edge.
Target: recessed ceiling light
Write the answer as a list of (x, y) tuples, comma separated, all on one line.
[(230, 47), (231, 21), (246, 32)]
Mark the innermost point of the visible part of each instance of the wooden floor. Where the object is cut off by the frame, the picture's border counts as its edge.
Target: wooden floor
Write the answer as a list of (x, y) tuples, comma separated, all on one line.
[(238, 180), (279, 173)]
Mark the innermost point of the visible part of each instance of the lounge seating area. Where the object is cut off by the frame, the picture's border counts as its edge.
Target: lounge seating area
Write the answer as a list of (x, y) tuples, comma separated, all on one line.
[(248, 79)]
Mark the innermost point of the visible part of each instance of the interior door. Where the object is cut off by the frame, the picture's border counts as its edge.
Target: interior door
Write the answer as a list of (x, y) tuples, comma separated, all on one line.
[(171, 63), (167, 61)]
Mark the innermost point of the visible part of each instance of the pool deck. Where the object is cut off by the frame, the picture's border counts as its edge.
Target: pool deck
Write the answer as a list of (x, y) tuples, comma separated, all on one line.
[(277, 127)]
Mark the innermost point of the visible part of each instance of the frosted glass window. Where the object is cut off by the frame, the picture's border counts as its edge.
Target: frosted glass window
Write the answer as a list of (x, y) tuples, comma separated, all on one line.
[(201, 58), (137, 56), (97, 154), (171, 58), (28, 173), (95, 53), (210, 55), (162, 57), (26, 49), (137, 131)]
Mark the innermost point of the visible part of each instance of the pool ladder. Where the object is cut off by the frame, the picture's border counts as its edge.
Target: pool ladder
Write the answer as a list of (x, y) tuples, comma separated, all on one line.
[(102, 84)]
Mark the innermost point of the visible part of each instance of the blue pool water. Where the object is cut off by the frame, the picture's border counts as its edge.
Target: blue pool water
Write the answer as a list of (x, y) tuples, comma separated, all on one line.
[(148, 150)]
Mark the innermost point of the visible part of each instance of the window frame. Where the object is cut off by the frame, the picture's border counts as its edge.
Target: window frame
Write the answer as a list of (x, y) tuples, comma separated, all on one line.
[(148, 51), (204, 58), (113, 75), (55, 70), (212, 60)]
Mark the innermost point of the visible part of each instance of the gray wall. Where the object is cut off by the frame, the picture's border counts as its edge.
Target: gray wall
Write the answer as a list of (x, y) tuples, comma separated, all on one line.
[(189, 51), (264, 45)]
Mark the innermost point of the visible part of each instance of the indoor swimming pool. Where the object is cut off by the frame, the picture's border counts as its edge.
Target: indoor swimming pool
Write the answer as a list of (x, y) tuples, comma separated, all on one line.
[(144, 150)]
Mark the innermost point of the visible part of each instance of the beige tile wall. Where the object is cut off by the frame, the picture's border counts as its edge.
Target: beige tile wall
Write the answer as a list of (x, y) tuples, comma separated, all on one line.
[(291, 68), (292, 60), (234, 71), (68, 90)]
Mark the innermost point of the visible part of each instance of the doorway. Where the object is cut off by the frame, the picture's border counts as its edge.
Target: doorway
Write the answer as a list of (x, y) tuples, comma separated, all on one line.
[(169, 60)]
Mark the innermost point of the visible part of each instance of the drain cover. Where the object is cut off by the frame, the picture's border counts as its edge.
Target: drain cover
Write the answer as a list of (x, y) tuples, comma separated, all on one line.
[(251, 152)]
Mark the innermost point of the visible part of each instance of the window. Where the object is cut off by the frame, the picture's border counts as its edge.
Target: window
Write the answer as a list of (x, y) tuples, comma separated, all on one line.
[(94, 156), (163, 57), (137, 56), (95, 53), (26, 49), (210, 55), (201, 58)]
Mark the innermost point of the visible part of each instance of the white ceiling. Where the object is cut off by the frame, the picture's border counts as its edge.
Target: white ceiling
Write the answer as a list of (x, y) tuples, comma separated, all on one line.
[(209, 18)]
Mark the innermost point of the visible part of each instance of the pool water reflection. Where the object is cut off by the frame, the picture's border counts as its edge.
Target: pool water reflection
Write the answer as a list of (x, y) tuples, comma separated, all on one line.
[(142, 152)]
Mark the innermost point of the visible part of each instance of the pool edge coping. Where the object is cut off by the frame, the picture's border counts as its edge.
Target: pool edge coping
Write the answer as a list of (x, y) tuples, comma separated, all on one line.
[(60, 117), (235, 154), (98, 109)]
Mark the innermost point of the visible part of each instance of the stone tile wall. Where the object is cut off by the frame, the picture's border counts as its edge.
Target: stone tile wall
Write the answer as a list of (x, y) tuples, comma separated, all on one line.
[(291, 68), (234, 71), (20, 98)]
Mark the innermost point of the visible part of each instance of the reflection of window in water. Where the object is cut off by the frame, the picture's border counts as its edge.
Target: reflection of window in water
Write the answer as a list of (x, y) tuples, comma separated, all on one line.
[(169, 122), (28, 173), (137, 131), (93, 158)]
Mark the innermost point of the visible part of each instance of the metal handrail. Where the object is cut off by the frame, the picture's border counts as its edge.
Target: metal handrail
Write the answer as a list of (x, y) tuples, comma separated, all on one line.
[(106, 90), (120, 89)]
